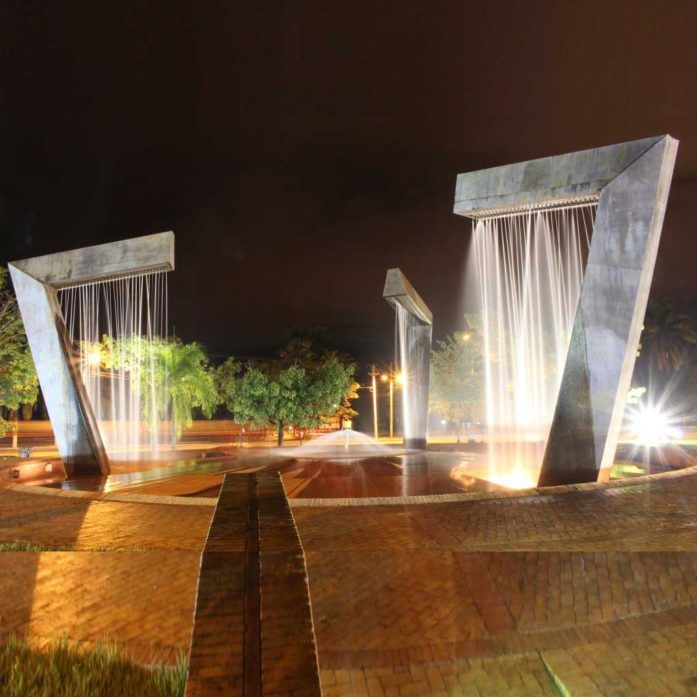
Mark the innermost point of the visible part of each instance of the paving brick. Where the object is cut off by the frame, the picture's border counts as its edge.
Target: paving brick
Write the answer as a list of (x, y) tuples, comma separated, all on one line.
[(476, 591), (253, 629)]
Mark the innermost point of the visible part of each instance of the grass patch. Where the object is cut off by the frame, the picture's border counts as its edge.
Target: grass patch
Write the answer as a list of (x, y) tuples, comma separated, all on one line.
[(22, 546), (62, 670), (620, 470)]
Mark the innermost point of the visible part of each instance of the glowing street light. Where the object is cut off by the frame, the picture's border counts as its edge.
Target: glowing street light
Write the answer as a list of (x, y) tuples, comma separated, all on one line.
[(94, 357), (652, 427), (374, 390)]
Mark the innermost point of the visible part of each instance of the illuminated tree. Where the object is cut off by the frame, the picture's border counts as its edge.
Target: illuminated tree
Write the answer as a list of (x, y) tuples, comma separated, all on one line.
[(457, 378), (178, 374), (19, 385), (307, 386)]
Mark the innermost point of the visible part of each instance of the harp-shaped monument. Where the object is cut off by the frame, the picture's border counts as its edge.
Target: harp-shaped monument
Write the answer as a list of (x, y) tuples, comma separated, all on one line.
[(630, 183), (37, 282), (415, 326)]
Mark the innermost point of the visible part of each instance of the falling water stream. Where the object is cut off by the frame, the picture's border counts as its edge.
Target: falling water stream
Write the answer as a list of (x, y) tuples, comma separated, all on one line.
[(529, 269), (405, 324), (125, 388)]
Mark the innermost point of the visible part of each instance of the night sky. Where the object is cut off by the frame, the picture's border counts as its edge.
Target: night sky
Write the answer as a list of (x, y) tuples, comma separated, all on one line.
[(299, 149)]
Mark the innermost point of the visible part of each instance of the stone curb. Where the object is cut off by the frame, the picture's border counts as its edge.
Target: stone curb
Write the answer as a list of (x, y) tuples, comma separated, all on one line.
[(112, 496), (367, 501), (490, 495)]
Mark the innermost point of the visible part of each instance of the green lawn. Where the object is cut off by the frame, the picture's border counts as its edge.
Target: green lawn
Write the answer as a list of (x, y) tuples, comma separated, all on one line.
[(62, 670), (23, 546)]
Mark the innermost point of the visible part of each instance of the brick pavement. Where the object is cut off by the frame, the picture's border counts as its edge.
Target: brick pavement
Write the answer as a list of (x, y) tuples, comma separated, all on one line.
[(138, 594), (253, 629), (85, 524), (593, 588), (142, 601)]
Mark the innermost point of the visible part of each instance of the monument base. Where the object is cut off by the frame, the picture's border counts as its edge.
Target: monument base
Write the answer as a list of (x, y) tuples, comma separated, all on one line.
[(415, 443)]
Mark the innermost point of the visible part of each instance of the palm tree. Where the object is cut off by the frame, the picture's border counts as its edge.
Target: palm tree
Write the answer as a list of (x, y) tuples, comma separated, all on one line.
[(176, 377), (666, 338), (190, 383)]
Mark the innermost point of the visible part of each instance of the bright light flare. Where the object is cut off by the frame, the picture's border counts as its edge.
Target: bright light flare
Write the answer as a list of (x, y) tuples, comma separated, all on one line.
[(94, 357), (651, 427), (400, 378), (517, 478)]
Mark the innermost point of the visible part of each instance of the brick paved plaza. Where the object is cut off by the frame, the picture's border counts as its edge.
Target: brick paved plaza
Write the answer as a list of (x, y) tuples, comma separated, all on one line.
[(588, 589), (595, 587)]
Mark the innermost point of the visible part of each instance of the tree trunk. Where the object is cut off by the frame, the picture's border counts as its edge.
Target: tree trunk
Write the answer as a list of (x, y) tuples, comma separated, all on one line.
[(173, 432), (280, 433), (15, 430)]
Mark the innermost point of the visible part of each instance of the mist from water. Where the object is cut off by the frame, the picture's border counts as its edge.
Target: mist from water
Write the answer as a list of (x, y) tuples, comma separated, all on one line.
[(342, 444), (527, 269), (120, 377)]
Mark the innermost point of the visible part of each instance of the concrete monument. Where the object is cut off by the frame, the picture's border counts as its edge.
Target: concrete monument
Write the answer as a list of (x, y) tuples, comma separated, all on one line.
[(415, 325), (630, 182), (36, 282)]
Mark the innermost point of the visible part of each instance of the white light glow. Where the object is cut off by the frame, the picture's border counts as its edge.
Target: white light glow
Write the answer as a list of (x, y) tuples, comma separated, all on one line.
[(517, 478), (651, 427)]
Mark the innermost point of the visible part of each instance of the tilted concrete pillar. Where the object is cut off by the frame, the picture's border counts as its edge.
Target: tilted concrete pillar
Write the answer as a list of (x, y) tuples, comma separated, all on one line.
[(36, 282), (631, 182), (399, 292)]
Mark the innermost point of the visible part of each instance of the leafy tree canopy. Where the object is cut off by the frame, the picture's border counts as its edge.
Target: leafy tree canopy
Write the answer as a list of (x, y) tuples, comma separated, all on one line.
[(180, 373), (666, 339), (18, 382), (309, 384), (457, 377)]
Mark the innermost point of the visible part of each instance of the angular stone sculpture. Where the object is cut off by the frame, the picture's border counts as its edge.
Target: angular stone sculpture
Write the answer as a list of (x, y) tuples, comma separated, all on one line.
[(36, 282), (631, 182), (399, 292)]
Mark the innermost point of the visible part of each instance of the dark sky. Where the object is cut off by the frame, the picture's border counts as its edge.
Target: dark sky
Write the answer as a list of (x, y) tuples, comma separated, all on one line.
[(299, 149)]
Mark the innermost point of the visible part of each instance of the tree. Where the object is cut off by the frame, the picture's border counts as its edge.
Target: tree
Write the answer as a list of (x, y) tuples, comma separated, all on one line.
[(179, 375), (305, 387), (190, 382), (19, 385), (346, 412), (311, 349), (666, 339), (457, 380)]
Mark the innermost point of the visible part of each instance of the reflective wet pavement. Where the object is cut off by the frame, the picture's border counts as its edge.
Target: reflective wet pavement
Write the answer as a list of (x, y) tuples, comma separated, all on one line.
[(592, 586), (417, 474), (344, 476)]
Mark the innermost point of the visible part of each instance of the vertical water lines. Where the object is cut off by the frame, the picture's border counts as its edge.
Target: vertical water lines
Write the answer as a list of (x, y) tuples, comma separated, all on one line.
[(115, 328), (529, 267)]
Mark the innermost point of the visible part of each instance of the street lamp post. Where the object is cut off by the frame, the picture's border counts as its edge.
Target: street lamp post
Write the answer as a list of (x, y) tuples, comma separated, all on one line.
[(373, 375), (391, 403), (389, 378)]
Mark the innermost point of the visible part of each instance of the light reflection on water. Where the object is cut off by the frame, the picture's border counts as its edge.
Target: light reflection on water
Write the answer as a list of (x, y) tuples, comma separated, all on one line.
[(413, 474), (121, 480)]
